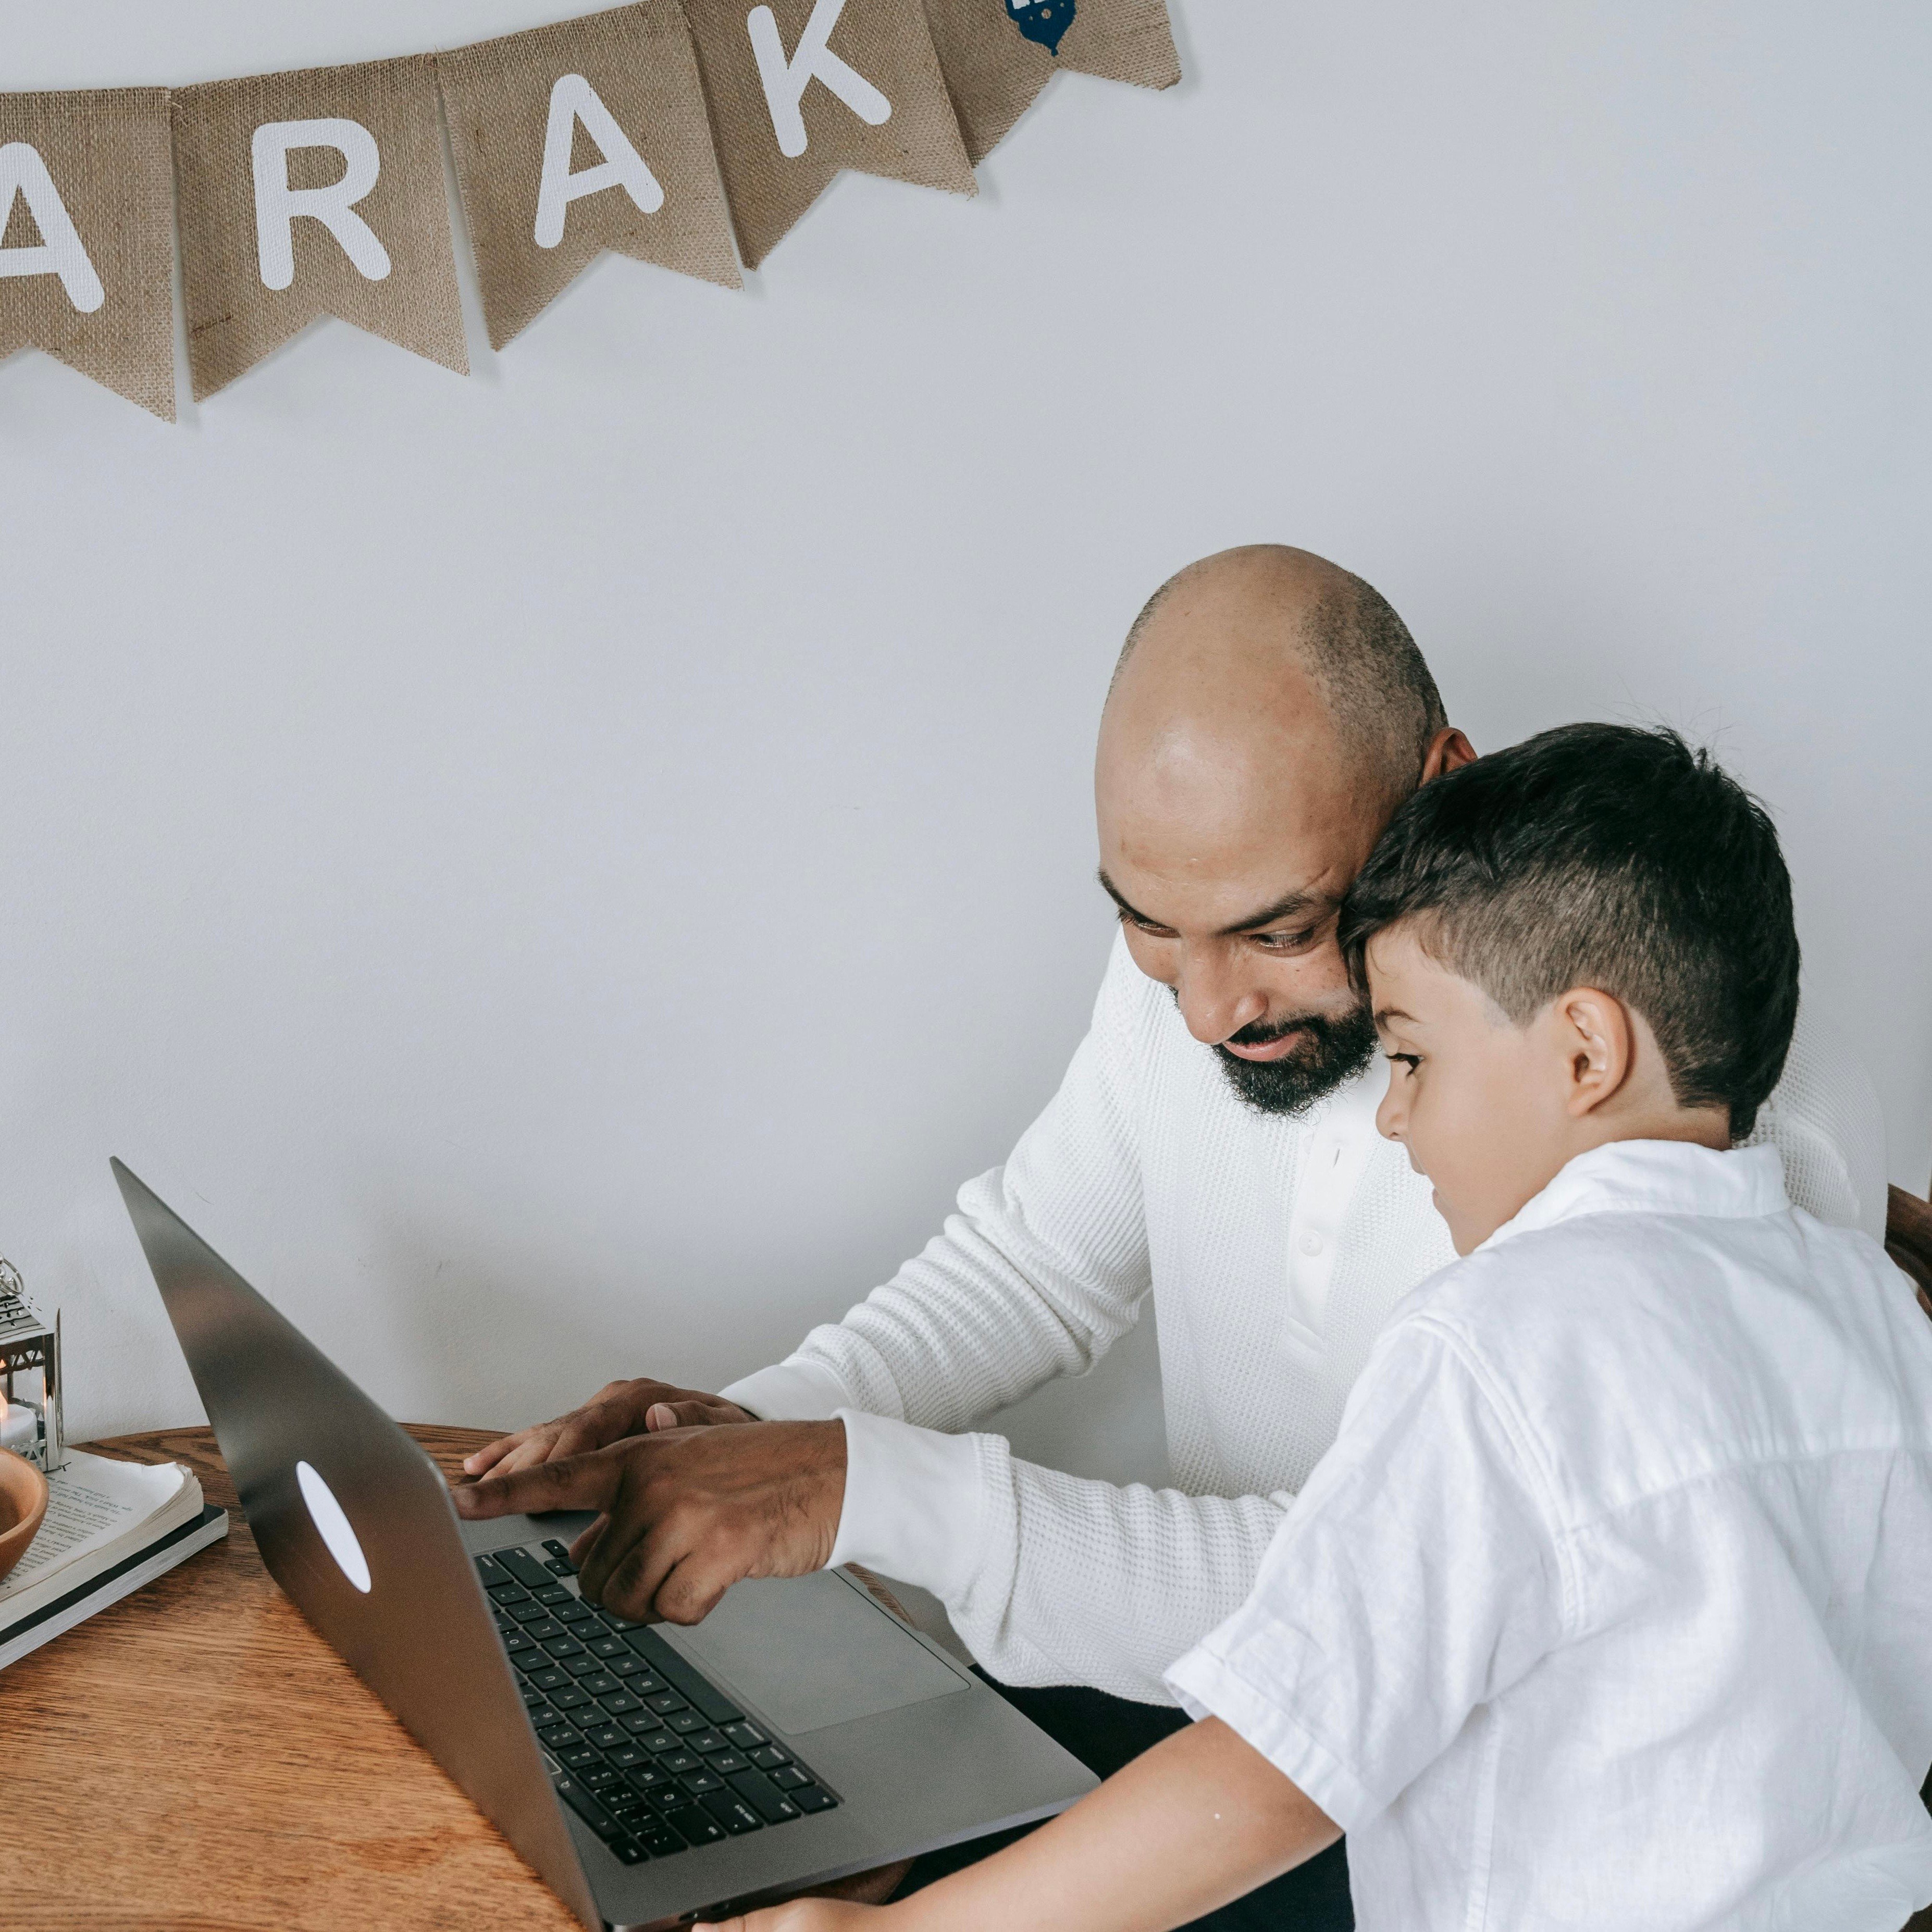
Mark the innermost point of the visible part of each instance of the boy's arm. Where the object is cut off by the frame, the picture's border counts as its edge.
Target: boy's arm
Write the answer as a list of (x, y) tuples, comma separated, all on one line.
[(1202, 1819)]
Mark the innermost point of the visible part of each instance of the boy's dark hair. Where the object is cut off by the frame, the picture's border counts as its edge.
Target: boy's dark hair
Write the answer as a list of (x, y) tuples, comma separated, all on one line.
[(1600, 855)]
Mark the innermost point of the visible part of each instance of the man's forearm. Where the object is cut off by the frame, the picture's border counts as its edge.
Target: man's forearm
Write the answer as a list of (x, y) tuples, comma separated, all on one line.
[(1202, 1819)]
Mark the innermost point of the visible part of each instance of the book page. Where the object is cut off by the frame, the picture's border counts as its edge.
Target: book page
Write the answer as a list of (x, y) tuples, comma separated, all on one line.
[(92, 1503)]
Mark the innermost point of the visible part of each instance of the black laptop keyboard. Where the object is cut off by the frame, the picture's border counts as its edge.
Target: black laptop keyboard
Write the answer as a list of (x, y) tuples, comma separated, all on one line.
[(648, 1753)]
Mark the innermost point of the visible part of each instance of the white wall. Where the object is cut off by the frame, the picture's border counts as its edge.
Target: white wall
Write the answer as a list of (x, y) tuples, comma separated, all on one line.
[(562, 872)]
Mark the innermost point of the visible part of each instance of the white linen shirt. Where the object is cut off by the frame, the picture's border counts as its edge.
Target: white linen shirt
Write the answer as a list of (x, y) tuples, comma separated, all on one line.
[(1274, 1248), (1608, 1606)]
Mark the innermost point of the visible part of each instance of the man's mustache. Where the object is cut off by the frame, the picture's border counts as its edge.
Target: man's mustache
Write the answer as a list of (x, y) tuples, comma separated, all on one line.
[(1337, 1047), (1258, 1034)]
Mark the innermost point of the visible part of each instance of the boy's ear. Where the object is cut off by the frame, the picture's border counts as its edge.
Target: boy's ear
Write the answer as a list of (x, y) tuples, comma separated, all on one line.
[(1594, 1032)]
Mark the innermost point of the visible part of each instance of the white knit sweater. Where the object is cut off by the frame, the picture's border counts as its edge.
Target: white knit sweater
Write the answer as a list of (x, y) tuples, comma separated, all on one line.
[(1272, 1249)]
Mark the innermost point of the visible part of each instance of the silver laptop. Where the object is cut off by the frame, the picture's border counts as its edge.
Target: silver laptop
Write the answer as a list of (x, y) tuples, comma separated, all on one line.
[(648, 1774)]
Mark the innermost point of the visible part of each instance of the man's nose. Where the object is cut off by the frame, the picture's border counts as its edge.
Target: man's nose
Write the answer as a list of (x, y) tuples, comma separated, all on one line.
[(1215, 999)]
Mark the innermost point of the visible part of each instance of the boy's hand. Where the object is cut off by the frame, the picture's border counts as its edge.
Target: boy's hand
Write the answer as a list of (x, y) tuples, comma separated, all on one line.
[(1200, 1819), (803, 1915), (617, 1410), (1192, 1825)]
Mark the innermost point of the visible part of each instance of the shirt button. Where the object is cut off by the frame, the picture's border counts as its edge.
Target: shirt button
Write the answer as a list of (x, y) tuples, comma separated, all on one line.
[(1310, 1244)]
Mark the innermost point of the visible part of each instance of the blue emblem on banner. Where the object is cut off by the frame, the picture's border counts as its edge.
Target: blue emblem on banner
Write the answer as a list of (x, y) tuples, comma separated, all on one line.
[(1042, 22)]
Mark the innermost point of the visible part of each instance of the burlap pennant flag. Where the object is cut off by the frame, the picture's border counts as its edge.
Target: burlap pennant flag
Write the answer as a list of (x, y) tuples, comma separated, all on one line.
[(801, 89), (87, 237), (998, 54), (579, 137), (313, 193)]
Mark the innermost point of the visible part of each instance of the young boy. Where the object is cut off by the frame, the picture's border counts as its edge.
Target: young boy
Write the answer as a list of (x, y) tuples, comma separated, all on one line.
[(1612, 1605)]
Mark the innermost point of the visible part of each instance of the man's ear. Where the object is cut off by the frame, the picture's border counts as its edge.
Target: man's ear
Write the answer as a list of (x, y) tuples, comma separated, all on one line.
[(1594, 1033), (1447, 750)]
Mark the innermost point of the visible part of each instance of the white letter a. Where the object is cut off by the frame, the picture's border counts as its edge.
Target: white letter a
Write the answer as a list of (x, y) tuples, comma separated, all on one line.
[(571, 99), (812, 59), (61, 252)]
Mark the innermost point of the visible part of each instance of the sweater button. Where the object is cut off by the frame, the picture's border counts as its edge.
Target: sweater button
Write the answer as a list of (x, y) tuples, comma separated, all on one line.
[(1310, 1243)]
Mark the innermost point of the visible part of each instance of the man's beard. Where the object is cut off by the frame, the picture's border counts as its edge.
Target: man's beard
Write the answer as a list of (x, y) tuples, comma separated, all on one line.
[(1332, 1050)]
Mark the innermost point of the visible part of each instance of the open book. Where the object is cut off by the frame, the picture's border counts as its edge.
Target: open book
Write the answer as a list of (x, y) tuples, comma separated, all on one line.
[(110, 1527)]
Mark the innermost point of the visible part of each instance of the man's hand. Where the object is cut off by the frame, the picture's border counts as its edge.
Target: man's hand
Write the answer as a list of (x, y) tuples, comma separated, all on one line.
[(617, 1410), (686, 1513)]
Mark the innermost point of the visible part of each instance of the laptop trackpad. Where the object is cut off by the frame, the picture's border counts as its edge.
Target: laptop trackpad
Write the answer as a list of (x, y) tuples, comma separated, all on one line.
[(812, 1652)]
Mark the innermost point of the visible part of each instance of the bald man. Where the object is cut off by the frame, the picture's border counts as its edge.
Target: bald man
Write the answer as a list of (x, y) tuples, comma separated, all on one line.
[(1212, 1146)]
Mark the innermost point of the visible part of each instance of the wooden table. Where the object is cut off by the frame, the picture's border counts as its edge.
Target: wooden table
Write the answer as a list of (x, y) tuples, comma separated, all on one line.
[(195, 1756)]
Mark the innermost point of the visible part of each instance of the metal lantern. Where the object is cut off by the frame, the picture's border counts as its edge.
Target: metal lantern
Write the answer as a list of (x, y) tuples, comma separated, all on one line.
[(30, 1373)]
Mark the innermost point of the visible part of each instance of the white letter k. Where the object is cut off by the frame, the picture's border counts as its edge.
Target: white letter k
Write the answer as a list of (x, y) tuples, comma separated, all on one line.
[(785, 81)]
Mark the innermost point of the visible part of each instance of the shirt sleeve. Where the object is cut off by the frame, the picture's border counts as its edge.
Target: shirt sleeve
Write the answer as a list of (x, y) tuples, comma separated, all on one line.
[(1037, 1275), (1414, 1578), (1048, 1578)]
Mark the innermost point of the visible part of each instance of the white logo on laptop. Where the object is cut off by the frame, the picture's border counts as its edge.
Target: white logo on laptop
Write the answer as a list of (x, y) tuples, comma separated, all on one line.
[(327, 1514)]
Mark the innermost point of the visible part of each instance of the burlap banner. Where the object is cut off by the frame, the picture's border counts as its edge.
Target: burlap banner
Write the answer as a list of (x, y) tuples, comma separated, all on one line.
[(309, 194), (801, 89), (574, 139), (998, 54), (86, 237), (320, 193)]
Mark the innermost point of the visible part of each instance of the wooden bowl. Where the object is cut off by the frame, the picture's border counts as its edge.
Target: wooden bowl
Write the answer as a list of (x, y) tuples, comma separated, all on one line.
[(23, 1502)]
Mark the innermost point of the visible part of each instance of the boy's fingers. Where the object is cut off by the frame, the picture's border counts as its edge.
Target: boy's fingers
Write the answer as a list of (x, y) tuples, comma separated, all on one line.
[(578, 1482), (799, 1915)]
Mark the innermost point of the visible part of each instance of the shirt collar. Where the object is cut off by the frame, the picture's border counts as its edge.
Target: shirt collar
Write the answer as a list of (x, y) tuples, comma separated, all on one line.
[(1656, 1178)]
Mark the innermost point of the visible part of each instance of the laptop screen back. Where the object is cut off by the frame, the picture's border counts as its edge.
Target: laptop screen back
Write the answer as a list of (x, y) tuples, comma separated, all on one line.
[(365, 1542)]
